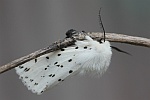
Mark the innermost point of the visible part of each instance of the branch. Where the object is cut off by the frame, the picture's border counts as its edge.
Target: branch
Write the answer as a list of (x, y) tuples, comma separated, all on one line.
[(113, 37)]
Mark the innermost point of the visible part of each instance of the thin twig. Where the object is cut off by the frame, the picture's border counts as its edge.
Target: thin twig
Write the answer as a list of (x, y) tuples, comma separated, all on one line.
[(113, 37), (121, 38)]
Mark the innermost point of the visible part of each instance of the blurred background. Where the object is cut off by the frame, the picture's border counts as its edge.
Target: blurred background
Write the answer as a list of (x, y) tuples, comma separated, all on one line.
[(28, 25)]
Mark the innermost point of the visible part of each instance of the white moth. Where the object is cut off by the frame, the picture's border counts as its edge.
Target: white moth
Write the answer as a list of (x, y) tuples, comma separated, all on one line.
[(85, 57)]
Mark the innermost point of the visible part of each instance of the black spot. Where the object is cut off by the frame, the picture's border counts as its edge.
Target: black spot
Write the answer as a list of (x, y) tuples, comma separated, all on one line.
[(20, 67), (26, 76), (69, 60), (47, 65), (47, 57), (85, 47), (45, 68), (35, 83), (59, 79), (21, 77), (59, 54), (50, 75), (26, 69), (35, 60), (42, 91), (76, 47), (55, 63), (42, 76), (62, 80), (62, 49), (53, 75), (61, 66), (31, 80), (70, 71)]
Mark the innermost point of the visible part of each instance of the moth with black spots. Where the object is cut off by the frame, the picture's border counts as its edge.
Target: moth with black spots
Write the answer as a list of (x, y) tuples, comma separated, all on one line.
[(84, 57)]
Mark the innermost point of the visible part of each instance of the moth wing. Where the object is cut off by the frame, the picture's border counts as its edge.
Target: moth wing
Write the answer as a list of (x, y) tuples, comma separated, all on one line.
[(48, 70)]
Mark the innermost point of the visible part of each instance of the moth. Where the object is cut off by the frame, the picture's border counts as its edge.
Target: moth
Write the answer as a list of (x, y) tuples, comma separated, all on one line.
[(84, 57)]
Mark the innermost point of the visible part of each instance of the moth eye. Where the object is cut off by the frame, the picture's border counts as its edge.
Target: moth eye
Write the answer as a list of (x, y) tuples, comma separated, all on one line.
[(101, 41)]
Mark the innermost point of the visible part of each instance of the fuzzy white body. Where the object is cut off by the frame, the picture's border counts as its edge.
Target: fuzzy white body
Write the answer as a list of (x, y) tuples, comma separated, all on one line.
[(85, 57)]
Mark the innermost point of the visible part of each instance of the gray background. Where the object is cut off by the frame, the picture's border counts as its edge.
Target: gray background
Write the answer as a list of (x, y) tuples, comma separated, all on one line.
[(28, 25)]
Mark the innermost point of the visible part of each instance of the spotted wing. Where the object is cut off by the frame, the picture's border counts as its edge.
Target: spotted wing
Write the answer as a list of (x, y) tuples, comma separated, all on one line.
[(48, 70)]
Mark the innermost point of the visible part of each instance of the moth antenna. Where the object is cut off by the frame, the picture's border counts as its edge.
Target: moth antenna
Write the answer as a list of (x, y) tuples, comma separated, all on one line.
[(100, 22), (117, 49)]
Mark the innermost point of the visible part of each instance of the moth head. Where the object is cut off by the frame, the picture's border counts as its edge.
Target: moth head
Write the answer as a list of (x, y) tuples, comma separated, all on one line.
[(102, 40)]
